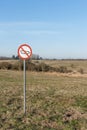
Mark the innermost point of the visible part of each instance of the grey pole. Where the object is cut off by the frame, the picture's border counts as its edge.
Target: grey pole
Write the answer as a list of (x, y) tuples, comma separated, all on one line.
[(24, 87)]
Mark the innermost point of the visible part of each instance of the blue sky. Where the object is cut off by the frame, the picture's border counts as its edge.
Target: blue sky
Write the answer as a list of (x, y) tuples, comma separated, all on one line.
[(53, 28)]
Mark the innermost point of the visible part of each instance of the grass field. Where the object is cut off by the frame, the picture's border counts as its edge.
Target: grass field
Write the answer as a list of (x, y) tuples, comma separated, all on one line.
[(54, 101)]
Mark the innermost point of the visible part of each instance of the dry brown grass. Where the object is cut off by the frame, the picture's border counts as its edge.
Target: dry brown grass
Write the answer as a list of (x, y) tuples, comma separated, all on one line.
[(55, 101)]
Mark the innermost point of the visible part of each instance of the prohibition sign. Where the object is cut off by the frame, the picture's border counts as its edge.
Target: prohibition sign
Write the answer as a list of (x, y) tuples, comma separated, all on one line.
[(24, 51)]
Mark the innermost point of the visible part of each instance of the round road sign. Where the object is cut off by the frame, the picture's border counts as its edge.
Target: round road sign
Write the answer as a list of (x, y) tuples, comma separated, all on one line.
[(24, 51)]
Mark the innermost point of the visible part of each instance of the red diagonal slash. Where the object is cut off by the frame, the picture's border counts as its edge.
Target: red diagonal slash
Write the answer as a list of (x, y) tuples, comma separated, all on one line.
[(24, 51)]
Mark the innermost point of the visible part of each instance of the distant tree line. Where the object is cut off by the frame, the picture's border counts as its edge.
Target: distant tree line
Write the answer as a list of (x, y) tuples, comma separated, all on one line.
[(4, 58), (34, 57), (37, 57)]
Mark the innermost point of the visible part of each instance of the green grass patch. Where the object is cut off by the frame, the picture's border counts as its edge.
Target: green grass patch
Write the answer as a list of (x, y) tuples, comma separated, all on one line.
[(81, 102), (53, 102)]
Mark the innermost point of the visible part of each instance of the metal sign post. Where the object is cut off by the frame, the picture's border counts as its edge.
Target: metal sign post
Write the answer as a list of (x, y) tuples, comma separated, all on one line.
[(24, 87), (24, 52)]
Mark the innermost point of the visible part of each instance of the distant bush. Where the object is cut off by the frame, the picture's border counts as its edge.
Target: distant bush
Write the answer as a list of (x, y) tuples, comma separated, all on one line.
[(32, 67), (72, 66), (43, 67), (19, 66), (81, 71), (10, 66), (15, 66), (63, 69), (5, 65)]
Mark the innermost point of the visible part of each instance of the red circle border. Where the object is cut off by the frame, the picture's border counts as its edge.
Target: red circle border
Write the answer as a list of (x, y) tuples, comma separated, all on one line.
[(21, 47)]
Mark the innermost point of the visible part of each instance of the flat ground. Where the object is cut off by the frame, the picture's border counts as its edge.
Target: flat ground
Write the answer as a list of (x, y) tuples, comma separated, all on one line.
[(54, 101)]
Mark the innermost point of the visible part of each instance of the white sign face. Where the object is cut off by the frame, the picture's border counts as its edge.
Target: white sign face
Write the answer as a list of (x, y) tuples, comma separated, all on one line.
[(24, 51)]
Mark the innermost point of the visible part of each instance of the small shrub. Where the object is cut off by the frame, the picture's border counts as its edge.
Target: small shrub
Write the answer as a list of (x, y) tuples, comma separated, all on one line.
[(16, 66), (42, 67), (30, 66), (5, 65), (72, 65), (62, 69), (81, 71), (9, 67)]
